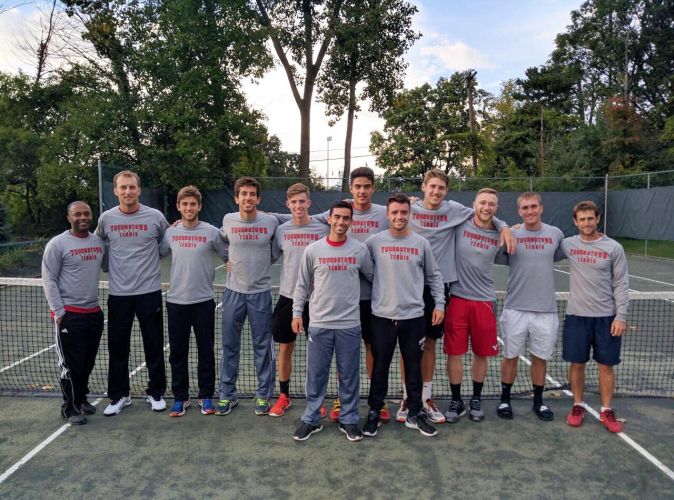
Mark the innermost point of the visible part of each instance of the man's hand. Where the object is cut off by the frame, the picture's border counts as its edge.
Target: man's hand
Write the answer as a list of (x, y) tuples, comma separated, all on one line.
[(618, 328), (58, 320), (229, 266), (414, 199), (297, 326), (508, 239), (438, 317)]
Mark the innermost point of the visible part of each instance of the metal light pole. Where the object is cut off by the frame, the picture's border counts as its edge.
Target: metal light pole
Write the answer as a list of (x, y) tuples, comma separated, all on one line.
[(327, 168)]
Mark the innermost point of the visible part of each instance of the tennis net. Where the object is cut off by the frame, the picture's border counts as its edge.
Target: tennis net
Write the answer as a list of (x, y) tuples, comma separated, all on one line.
[(28, 361)]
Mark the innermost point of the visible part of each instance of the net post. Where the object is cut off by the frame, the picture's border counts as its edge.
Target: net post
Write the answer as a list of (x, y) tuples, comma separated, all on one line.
[(100, 187), (648, 186)]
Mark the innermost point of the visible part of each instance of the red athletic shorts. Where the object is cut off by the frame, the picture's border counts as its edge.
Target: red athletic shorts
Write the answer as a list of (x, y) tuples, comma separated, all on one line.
[(470, 318)]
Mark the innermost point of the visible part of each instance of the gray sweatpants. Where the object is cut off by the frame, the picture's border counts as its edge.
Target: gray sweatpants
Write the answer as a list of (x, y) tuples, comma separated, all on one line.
[(235, 307), (321, 343)]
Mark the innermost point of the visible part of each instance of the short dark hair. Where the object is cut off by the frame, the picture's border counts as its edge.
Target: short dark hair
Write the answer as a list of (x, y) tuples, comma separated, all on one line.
[(585, 206), (76, 202), (189, 191), (247, 182), (342, 204), (398, 198), (362, 172)]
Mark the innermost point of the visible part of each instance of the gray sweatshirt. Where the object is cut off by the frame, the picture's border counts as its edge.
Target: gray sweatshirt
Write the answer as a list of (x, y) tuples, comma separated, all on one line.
[(531, 282), (401, 268), (290, 241), (133, 243), (249, 251), (192, 269), (70, 270), (476, 249), (333, 271), (599, 277)]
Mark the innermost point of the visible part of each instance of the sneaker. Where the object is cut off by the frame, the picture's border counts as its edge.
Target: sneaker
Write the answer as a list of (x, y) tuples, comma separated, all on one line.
[(352, 432), (476, 413), (224, 406), (401, 414), (420, 423), (505, 410), (179, 407), (116, 406), (78, 419), (87, 408), (576, 416), (607, 417), (207, 407), (455, 411), (304, 431), (372, 424), (433, 413), (261, 406), (385, 414), (323, 411), (156, 404), (334, 413), (281, 406)]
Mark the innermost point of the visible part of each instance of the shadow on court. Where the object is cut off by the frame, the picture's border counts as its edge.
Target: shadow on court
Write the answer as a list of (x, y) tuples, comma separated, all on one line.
[(138, 453)]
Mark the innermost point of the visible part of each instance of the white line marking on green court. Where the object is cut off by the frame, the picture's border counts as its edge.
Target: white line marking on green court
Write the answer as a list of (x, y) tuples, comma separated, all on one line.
[(27, 358), (631, 276)]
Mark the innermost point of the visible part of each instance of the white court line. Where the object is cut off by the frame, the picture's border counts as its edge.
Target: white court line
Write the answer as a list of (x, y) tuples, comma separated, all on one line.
[(631, 276), (631, 442), (27, 358)]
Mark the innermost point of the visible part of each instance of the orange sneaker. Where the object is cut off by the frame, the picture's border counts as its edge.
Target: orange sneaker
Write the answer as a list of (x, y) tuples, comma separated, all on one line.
[(334, 413), (385, 414), (607, 417), (281, 406), (576, 416)]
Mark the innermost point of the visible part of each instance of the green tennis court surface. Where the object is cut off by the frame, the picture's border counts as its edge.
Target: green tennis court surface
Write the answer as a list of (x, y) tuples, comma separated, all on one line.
[(140, 453)]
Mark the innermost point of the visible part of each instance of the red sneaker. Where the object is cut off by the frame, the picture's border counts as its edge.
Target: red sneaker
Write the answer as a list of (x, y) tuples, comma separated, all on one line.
[(323, 411), (281, 406), (607, 417), (576, 416), (385, 414), (334, 413)]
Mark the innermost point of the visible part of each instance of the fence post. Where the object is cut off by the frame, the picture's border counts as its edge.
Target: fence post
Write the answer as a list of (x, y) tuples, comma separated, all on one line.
[(605, 202), (648, 186), (531, 184), (100, 187)]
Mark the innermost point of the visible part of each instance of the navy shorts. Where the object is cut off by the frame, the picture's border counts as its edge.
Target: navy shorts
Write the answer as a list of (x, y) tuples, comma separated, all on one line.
[(582, 333), (282, 318)]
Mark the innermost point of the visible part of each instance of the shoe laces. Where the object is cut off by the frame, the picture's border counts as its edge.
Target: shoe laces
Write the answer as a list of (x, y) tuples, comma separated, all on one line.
[(431, 405), (225, 402), (454, 405), (578, 410), (337, 404), (261, 402), (609, 415), (475, 404)]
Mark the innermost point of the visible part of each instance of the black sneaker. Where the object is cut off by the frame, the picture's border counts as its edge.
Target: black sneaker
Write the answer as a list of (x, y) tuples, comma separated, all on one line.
[(372, 424), (78, 419), (87, 408), (352, 432), (304, 431), (455, 411), (476, 412), (420, 423)]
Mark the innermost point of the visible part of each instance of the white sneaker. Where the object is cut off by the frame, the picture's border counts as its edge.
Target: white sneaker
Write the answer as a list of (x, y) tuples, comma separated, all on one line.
[(156, 404), (433, 413), (401, 414), (116, 406)]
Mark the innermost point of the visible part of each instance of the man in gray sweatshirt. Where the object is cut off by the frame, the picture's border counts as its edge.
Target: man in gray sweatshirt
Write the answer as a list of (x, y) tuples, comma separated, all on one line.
[(70, 268), (189, 302), (248, 234), (133, 233), (596, 317), (332, 266), (404, 264)]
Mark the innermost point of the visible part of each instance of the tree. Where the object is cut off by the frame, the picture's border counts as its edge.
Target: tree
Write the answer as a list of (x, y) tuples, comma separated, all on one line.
[(370, 41), (303, 30)]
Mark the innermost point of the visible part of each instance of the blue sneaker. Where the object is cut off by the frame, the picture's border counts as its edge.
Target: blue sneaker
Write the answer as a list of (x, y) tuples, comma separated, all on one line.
[(261, 406), (179, 407), (207, 407), (224, 406)]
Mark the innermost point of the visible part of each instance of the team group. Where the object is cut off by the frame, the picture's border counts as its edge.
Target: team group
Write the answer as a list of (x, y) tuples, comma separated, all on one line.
[(408, 273)]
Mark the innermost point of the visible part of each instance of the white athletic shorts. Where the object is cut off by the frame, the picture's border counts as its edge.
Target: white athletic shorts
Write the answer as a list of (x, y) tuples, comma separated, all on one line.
[(540, 327)]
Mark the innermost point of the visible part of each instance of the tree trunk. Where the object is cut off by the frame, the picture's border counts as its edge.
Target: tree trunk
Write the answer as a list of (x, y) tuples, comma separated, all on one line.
[(541, 147), (470, 80), (349, 135), (305, 134)]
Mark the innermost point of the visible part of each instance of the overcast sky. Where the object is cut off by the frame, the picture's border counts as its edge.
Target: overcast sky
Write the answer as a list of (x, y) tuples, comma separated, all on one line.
[(500, 39)]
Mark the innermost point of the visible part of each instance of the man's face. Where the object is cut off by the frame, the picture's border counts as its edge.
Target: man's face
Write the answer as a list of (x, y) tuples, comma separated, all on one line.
[(398, 215), (340, 221), (362, 189), (247, 199), (530, 210), (189, 208), (127, 190), (299, 205), (435, 191), (79, 217), (485, 206), (586, 221)]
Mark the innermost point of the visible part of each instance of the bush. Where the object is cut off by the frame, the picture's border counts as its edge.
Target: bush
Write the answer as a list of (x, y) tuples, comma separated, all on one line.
[(4, 223)]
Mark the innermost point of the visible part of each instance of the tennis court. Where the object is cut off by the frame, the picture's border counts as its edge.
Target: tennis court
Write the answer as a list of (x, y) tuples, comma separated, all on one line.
[(141, 453)]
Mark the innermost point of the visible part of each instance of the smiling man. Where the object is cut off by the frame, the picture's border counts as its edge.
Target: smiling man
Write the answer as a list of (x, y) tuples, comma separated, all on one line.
[(596, 317), (70, 267)]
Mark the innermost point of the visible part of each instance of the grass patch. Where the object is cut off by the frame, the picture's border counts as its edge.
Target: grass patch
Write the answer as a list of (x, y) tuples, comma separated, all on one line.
[(656, 248)]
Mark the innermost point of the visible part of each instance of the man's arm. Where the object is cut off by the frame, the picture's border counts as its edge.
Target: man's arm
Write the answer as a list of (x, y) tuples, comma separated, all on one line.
[(301, 294), (51, 268), (433, 278), (367, 266), (165, 245), (620, 291), (221, 246)]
